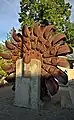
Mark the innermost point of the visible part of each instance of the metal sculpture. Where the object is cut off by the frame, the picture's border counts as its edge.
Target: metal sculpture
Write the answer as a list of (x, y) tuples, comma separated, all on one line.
[(44, 43)]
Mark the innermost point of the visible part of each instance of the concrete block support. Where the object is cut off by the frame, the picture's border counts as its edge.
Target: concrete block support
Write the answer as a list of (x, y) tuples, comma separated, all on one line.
[(65, 97), (71, 91), (27, 93)]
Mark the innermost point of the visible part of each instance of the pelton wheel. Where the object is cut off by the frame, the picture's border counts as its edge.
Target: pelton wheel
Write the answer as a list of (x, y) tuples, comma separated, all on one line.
[(43, 43)]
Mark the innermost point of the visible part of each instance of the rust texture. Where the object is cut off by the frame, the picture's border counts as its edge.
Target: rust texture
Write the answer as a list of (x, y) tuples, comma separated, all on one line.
[(45, 44)]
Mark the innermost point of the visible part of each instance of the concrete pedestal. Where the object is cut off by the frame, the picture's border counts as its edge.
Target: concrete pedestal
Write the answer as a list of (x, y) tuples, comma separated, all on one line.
[(71, 91), (27, 92), (65, 97)]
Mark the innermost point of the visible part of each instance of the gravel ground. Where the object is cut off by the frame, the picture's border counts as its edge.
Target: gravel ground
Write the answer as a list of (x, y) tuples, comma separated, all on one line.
[(10, 112)]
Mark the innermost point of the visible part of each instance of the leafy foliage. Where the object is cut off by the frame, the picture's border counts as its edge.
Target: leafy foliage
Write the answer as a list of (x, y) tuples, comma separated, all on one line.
[(2, 72), (3, 61), (57, 12)]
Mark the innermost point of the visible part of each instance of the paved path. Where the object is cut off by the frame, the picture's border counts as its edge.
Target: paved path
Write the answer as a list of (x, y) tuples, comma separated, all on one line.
[(9, 112)]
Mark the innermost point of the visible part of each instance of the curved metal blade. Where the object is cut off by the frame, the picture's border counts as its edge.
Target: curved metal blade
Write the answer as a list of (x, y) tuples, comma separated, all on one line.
[(52, 85)]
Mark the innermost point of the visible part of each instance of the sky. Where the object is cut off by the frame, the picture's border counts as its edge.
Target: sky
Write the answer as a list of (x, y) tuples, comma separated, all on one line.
[(9, 10), (72, 3)]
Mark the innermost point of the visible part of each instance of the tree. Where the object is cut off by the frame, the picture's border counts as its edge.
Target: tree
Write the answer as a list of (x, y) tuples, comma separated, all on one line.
[(3, 61), (70, 33), (56, 12), (2, 72)]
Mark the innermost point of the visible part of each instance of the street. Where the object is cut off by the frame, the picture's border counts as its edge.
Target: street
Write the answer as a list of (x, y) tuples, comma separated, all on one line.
[(10, 112)]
